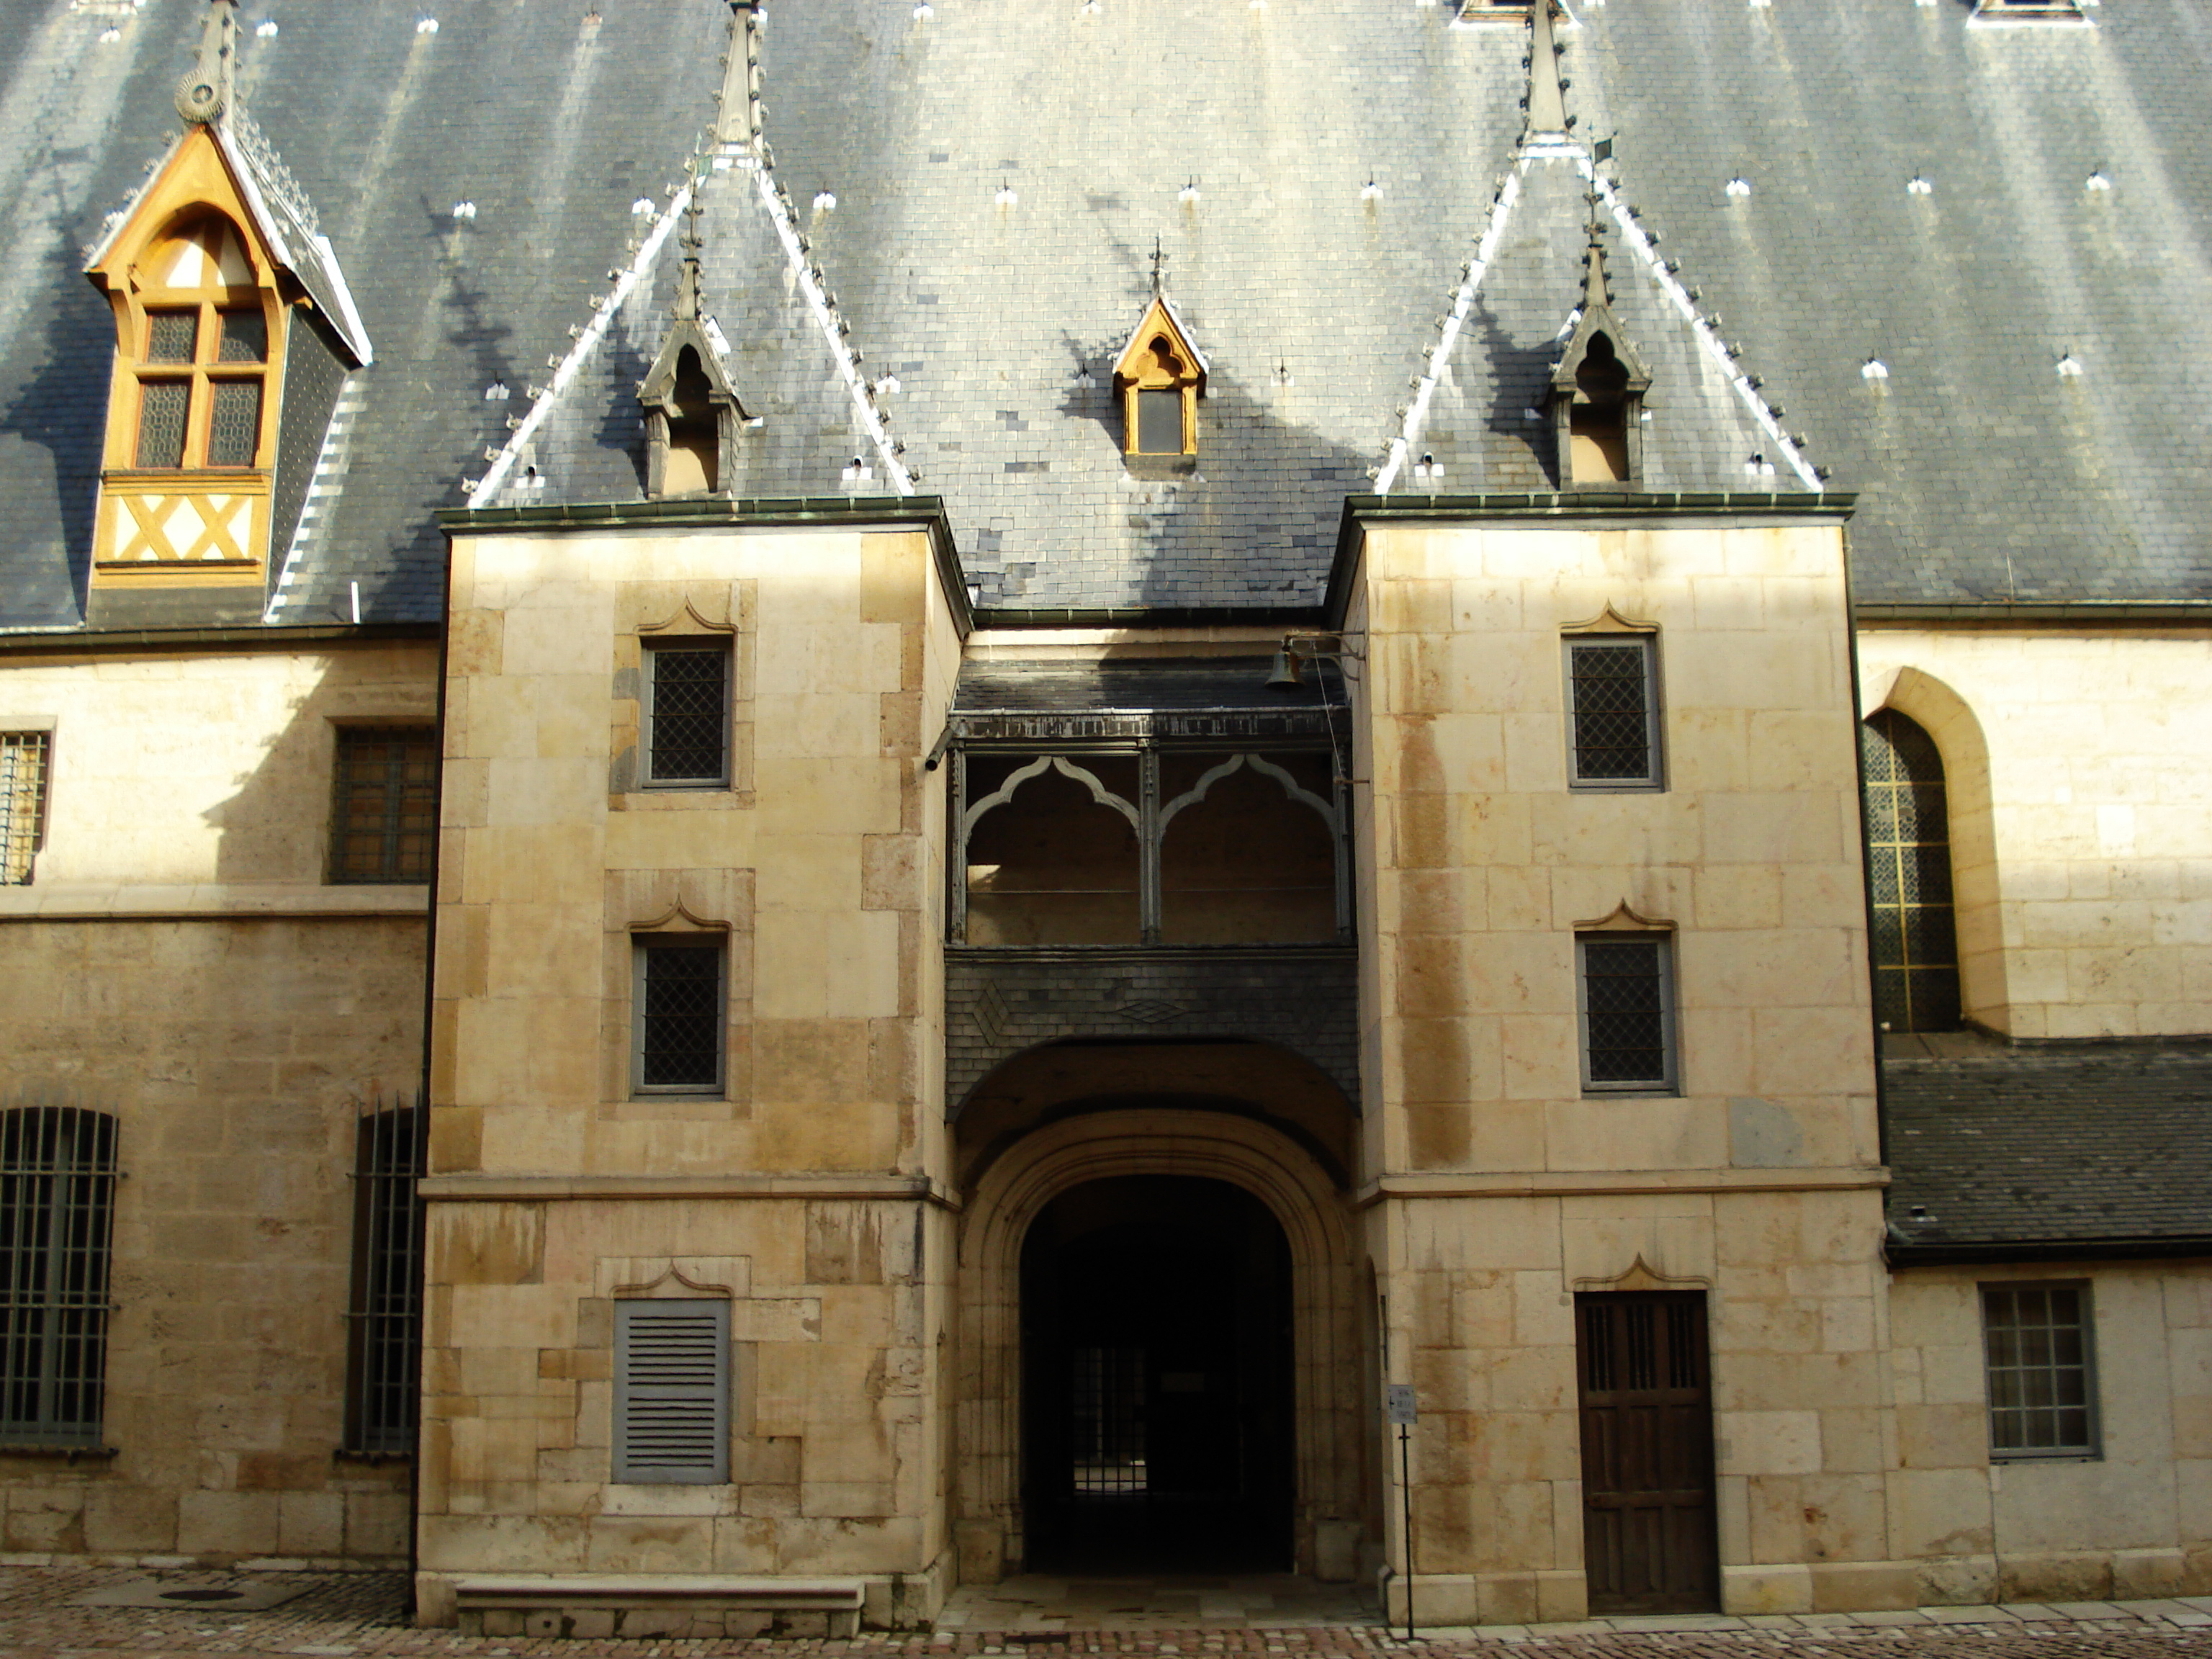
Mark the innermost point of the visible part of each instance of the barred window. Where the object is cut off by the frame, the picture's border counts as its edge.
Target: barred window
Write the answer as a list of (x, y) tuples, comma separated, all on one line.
[(384, 819), (22, 803), (687, 714), (671, 1405), (385, 1336), (2038, 1344), (1612, 702), (57, 1213), (1626, 993), (677, 1015), (1916, 941)]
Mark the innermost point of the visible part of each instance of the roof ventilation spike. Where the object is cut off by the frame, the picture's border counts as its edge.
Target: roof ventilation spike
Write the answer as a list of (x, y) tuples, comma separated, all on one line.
[(1547, 101)]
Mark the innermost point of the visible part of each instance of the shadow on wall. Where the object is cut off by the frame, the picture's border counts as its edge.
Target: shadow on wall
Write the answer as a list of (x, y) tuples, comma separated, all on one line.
[(60, 406)]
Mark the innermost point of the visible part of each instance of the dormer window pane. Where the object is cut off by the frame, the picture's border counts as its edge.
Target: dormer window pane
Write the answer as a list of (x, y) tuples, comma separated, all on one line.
[(171, 336), (161, 422), (245, 337), (1159, 423), (235, 423)]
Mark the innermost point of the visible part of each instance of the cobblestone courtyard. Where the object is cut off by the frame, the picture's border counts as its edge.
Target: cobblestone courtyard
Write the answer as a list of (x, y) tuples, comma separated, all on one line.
[(50, 1612)]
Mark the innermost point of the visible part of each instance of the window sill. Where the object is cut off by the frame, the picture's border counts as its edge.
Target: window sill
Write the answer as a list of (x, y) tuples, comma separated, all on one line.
[(65, 1454), (2029, 1459), (373, 1459), (1161, 467)]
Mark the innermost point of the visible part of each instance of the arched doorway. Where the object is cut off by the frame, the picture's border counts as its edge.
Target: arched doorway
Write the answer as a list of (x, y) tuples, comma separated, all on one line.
[(1223, 1157), (1157, 1368)]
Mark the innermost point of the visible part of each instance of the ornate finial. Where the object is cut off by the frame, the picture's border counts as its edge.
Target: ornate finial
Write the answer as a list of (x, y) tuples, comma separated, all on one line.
[(203, 95), (1547, 103), (1159, 264), (688, 307)]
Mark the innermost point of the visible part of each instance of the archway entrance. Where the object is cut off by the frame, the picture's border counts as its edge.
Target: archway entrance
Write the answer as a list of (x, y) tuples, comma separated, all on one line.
[(1159, 1430)]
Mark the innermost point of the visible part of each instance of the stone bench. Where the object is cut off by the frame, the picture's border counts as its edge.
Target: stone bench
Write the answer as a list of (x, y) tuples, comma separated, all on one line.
[(607, 1606)]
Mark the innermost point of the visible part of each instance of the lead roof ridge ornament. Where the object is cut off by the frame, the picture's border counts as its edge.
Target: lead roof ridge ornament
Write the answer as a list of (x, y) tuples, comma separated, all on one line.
[(204, 94)]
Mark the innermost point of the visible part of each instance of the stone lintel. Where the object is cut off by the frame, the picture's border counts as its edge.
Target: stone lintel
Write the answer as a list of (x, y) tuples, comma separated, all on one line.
[(1576, 1183)]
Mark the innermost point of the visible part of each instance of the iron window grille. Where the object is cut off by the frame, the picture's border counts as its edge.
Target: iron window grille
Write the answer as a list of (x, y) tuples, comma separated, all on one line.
[(2039, 1352), (1612, 701), (1626, 993), (22, 803), (383, 1341), (384, 819), (58, 1179), (687, 715), (671, 1396), (1916, 938), (678, 1014)]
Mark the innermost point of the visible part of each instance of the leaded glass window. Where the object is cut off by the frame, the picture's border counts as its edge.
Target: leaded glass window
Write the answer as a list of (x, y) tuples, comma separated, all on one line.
[(163, 405), (678, 1015), (1613, 706), (384, 820), (207, 340), (1915, 944), (57, 1213), (687, 714), (1628, 1021), (2036, 1341)]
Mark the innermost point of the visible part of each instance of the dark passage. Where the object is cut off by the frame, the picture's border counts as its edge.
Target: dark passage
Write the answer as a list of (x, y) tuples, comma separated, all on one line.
[(1156, 1316)]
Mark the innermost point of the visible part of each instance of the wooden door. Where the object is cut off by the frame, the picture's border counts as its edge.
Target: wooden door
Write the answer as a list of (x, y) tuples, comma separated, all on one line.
[(1647, 1421)]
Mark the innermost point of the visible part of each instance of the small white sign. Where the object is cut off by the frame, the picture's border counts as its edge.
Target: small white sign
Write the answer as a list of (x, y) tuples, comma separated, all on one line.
[(1400, 1407)]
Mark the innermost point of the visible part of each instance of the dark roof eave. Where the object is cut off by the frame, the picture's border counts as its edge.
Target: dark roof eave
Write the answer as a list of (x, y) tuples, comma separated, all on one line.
[(1966, 1252), (927, 511), (266, 636), (1153, 616), (1812, 506)]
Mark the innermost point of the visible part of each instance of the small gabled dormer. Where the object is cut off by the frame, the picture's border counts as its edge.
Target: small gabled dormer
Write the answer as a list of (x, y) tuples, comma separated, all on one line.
[(231, 323), (1158, 379), (691, 414), (1597, 392)]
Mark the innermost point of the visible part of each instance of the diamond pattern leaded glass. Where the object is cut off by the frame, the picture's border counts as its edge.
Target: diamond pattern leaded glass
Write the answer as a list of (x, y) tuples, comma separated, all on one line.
[(161, 405), (1915, 944), (679, 1024), (2036, 1339), (57, 1207), (172, 337), (689, 737), (384, 820), (235, 422), (1625, 1011), (1609, 682)]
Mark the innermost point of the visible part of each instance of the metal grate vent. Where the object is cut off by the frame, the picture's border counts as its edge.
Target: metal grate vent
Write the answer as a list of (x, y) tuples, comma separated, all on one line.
[(671, 1391), (384, 1335), (57, 1212)]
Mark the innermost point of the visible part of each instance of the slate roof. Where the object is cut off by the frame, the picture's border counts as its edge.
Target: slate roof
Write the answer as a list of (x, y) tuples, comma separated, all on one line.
[(2072, 1148), (1317, 174)]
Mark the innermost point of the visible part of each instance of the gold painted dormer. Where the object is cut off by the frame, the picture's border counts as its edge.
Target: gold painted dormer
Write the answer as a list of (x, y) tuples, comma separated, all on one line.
[(1159, 376), (201, 312)]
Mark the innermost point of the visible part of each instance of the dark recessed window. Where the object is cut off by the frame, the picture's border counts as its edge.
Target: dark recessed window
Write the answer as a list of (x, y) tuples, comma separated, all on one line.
[(385, 1328), (687, 714), (1627, 1009), (1159, 423), (57, 1213), (678, 1015), (384, 820), (2038, 1345), (1613, 703)]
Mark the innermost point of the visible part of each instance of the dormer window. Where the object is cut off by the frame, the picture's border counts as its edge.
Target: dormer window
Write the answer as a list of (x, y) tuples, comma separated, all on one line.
[(691, 412), (1597, 392), (1160, 377), (695, 438), (204, 355)]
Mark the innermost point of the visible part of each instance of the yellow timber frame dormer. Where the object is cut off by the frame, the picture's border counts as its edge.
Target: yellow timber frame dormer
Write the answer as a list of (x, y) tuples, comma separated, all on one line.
[(1159, 378), (202, 310)]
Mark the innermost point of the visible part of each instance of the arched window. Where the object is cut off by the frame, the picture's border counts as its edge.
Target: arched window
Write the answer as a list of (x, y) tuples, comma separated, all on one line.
[(56, 1214), (1915, 944), (203, 353)]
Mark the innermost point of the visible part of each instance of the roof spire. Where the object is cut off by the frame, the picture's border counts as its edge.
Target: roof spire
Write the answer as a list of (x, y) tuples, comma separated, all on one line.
[(1597, 292), (688, 281), (1547, 101), (204, 94)]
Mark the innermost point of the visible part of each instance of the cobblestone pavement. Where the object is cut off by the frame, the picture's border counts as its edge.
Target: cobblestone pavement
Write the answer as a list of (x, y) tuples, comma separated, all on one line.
[(44, 1615)]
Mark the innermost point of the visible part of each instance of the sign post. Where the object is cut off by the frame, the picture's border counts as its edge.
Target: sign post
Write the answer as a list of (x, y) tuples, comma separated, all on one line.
[(1402, 1412)]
